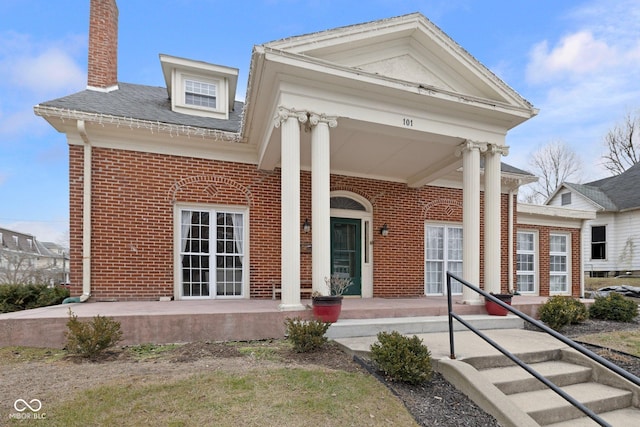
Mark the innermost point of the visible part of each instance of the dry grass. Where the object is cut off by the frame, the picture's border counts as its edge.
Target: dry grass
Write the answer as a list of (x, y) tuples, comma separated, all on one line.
[(278, 397), (595, 283), (232, 384), (625, 341)]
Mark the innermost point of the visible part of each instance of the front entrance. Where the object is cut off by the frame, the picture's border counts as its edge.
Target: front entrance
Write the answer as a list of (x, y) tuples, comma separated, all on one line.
[(346, 252)]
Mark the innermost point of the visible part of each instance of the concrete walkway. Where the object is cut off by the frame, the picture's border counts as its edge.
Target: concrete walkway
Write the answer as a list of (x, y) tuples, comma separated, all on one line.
[(467, 344)]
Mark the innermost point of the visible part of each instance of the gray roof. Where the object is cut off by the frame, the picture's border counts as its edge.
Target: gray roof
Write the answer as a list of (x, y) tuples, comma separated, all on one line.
[(141, 102), (615, 193), (151, 103)]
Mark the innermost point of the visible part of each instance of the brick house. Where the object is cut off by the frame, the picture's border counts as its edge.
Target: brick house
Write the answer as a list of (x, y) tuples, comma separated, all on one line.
[(367, 151)]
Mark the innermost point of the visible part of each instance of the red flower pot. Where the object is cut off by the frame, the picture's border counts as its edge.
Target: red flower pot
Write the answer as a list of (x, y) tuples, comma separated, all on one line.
[(327, 308), (494, 309)]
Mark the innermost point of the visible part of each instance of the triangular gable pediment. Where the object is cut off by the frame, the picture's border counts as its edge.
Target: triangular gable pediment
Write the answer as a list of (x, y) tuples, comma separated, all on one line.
[(408, 48)]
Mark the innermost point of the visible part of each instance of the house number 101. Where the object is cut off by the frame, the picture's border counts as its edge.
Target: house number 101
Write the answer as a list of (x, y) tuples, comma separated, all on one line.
[(407, 122)]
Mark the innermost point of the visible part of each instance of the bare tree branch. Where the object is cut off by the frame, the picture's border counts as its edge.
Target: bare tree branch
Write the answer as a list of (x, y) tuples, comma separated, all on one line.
[(553, 164), (623, 144)]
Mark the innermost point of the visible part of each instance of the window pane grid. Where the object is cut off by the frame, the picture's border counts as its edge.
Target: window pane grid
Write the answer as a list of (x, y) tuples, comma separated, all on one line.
[(200, 94), (558, 268), (443, 246), (198, 248), (525, 262)]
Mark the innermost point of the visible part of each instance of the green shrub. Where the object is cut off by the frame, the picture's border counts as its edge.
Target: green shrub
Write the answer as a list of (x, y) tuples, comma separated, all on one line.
[(614, 307), (402, 358), (306, 335), (560, 311), (24, 297), (89, 339)]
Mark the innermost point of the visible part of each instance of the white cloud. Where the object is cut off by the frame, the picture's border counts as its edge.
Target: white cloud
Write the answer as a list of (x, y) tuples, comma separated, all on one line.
[(50, 71), (576, 54)]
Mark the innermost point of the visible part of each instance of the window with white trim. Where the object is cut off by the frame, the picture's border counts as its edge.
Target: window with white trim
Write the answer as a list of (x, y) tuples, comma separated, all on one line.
[(599, 242), (212, 258), (526, 262), (200, 94), (558, 264), (443, 252)]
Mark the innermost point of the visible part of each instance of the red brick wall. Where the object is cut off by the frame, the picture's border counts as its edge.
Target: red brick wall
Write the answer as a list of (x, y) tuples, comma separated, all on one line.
[(543, 256), (132, 221)]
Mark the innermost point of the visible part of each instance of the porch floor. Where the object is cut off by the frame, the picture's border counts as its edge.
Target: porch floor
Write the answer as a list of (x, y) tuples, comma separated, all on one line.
[(214, 320)]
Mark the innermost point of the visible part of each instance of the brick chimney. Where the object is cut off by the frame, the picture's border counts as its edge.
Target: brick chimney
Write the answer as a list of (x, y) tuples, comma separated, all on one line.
[(102, 72)]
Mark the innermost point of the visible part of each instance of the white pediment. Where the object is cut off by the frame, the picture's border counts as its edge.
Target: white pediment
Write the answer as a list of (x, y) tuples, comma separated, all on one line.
[(406, 68), (410, 49)]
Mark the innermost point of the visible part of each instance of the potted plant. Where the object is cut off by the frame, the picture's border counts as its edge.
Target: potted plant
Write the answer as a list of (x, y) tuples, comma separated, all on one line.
[(327, 308), (496, 309)]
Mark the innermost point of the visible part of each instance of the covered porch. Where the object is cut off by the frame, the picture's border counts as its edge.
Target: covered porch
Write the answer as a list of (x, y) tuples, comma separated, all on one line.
[(199, 320), (397, 102)]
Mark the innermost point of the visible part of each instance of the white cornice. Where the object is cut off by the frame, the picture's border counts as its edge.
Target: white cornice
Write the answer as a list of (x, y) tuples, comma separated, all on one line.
[(131, 123)]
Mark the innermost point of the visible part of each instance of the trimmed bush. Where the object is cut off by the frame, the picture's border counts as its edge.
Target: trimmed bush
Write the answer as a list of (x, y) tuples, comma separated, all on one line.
[(24, 297), (614, 307), (89, 339), (306, 335), (401, 358), (560, 311)]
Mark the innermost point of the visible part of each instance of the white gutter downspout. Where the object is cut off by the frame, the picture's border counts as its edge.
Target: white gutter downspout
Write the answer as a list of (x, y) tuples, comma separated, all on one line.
[(512, 192), (86, 214)]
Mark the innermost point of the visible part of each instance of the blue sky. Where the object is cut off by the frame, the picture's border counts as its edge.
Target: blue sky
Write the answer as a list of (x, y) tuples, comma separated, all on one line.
[(577, 61)]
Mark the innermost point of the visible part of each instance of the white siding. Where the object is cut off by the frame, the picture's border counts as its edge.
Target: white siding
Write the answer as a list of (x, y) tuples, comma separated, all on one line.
[(623, 242), (578, 201)]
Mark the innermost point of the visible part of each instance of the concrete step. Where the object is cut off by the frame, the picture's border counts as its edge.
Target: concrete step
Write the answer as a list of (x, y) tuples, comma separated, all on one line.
[(514, 379), (621, 417), (546, 407), (349, 328)]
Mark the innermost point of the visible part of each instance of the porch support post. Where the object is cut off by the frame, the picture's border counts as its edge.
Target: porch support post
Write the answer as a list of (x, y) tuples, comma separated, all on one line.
[(320, 197), (492, 218), (470, 151), (289, 121)]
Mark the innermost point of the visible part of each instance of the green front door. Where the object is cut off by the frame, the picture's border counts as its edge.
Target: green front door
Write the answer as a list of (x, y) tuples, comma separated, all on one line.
[(346, 253)]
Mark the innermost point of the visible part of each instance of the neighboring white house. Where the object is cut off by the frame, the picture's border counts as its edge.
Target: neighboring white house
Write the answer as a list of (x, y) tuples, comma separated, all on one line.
[(23, 259), (610, 241)]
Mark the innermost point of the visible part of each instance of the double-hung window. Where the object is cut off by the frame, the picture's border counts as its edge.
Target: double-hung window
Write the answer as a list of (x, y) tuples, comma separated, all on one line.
[(526, 262), (558, 264), (212, 253), (599, 242), (200, 94), (443, 252)]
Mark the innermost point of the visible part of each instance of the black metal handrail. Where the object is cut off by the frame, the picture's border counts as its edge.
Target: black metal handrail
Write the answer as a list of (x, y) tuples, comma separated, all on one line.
[(591, 355)]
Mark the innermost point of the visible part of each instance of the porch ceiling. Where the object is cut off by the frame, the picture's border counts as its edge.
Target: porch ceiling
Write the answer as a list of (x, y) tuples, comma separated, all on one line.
[(377, 151)]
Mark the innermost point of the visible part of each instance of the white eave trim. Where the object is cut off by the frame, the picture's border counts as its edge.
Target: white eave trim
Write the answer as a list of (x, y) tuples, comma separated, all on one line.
[(160, 127), (554, 212)]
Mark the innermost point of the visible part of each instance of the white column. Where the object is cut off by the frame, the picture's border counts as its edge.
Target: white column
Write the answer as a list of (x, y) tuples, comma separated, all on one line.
[(320, 197), (471, 217), (289, 121), (492, 218)]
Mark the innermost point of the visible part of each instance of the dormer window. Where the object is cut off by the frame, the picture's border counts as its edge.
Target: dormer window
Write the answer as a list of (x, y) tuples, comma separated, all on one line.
[(200, 93), (198, 88)]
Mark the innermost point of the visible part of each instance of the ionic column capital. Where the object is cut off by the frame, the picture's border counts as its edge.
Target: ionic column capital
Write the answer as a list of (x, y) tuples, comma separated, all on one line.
[(469, 145), (331, 121), (284, 114), (502, 150)]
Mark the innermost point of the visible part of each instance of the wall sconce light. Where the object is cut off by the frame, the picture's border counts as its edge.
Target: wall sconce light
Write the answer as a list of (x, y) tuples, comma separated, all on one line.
[(306, 227), (384, 230)]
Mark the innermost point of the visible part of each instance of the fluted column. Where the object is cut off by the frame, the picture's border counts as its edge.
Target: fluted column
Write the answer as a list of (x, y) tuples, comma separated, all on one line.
[(320, 201), (470, 151), (492, 218), (289, 122)]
